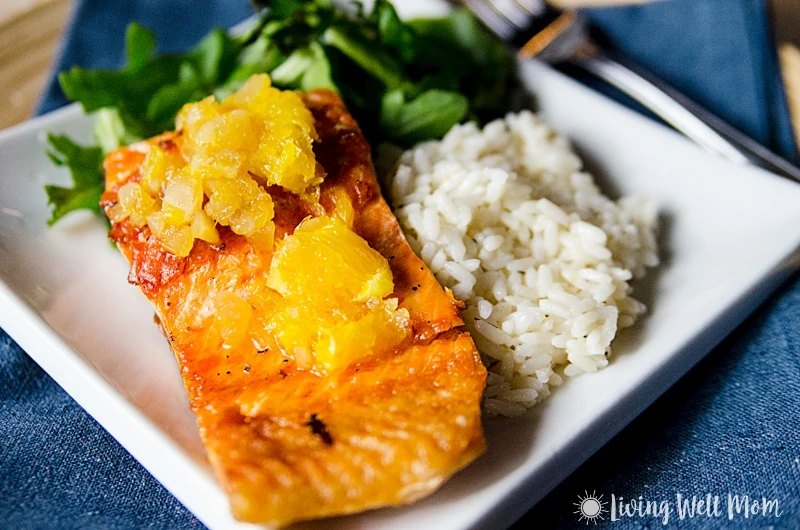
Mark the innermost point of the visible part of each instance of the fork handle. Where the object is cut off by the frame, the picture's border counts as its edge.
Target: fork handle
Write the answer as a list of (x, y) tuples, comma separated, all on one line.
[(682, 113)]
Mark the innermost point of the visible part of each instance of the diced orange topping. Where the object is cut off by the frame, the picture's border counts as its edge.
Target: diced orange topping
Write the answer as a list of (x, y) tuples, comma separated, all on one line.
[(334, 286), (227, 153)]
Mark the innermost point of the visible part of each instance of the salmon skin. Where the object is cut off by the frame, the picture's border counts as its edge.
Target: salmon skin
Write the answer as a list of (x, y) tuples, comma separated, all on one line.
[(289, 444)]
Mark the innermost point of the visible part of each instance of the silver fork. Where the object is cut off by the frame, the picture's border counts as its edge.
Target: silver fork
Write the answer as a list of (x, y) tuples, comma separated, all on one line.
[(539, 30)]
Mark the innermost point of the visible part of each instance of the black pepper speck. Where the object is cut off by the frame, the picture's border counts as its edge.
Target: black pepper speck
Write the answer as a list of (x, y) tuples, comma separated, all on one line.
[(320, 429)]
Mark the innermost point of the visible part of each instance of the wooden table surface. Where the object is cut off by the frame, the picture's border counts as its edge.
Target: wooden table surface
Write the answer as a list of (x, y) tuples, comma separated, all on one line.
[(30, 31), (29, 34)]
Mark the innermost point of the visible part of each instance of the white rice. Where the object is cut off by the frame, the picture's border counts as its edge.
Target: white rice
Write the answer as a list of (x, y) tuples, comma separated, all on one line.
[(506, 219)]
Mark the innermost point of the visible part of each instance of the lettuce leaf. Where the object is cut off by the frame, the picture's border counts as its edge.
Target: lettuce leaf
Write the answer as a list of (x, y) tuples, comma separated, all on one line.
[(86, 171)]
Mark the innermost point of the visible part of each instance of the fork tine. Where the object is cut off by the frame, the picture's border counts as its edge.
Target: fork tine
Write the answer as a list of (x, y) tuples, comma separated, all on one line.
[(494, 20), (534, 8), (512, 11)]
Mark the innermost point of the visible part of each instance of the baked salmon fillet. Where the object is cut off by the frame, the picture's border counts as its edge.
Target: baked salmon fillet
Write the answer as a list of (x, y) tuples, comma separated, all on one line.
[(289, 437)]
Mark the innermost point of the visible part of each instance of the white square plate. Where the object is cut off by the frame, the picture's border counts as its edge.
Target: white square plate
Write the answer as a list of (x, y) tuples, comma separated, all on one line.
[(729, 237)]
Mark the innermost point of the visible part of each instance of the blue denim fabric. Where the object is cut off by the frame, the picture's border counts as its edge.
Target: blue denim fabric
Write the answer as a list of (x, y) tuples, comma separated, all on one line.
[(717, 52), (730, 426)]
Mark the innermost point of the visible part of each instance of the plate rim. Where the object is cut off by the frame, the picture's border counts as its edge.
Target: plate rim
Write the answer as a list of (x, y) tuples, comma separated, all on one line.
[(76, 376)]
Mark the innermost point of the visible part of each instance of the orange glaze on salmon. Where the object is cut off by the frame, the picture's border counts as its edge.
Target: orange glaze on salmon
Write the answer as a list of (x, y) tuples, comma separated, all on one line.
[(289, 444)]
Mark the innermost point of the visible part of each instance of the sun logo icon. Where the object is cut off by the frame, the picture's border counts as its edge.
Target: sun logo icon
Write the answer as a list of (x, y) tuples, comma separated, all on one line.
[(590, 507)]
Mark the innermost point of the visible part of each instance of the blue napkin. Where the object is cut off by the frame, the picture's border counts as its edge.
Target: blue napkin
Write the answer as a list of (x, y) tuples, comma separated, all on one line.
[(718, 52), (730, 426)]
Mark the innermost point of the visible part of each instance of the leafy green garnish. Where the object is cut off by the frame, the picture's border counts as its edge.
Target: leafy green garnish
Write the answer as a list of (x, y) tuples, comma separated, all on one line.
[(375, 61), (432, 73), (306, 69), (404, 82), (429, 115), (258, 56), (110, 132), (150, 90), (85, 167)]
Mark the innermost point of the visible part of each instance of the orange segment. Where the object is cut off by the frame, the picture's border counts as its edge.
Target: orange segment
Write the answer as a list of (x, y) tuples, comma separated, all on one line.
[(333, 285), (333, 264)]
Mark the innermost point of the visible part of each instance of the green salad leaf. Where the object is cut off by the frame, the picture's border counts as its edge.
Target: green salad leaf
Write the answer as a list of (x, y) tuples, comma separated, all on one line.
[(150, 90), (429, 115), (305, 69), (85, 167), (404, 82)]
